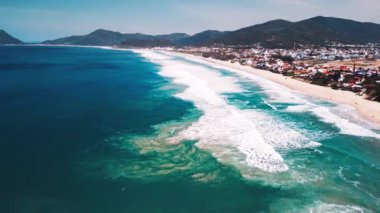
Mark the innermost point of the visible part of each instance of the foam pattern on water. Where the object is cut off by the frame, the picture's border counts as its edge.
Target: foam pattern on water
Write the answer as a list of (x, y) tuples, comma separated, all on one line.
[(348, 124), (333, 208), (154, 156), (234, 136), (325, 114)]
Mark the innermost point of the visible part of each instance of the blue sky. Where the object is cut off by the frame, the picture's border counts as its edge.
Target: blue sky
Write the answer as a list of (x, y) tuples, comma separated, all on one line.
[(37, 20)]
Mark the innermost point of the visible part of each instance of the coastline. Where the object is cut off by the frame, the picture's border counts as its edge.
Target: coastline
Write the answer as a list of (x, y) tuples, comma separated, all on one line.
[(369, 110)]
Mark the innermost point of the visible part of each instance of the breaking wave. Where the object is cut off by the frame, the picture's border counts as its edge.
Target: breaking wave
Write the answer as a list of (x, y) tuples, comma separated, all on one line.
[(281, 94), (332, 208), (236, 137), (344, 124)]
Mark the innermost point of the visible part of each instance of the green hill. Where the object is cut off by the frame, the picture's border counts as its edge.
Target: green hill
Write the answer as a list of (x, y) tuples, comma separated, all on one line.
[(207, 37), (272, 34), (317, 30), (109, 38)]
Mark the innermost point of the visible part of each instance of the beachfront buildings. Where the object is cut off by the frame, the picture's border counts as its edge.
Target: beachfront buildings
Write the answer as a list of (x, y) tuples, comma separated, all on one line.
[(340, 66)]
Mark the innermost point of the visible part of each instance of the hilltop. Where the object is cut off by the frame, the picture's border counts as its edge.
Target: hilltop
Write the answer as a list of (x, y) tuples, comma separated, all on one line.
[(273, 34)]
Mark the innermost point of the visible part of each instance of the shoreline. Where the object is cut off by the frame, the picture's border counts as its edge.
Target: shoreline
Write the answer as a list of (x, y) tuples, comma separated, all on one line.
[(369, 110)]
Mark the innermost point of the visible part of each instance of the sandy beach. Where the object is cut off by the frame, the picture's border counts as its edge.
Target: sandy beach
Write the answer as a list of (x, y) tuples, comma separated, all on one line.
[(369, 110)]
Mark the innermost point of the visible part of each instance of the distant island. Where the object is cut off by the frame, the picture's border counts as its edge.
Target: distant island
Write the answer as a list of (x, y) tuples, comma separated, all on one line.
[(272, 34), (5, 38)]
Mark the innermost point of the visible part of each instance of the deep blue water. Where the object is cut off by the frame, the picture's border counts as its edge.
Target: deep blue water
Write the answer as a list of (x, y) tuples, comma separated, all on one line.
[(99, 130), (57, 103)]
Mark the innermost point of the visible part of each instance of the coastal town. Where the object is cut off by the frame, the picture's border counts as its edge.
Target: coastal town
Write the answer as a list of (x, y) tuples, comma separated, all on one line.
[(353, 68)]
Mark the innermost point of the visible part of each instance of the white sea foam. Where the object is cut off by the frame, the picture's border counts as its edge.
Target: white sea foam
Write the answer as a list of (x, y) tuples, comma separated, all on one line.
[(282, 94), (270, 105), (243, 138), (279, 93), (333, 208), (344, 124), (229, 133)]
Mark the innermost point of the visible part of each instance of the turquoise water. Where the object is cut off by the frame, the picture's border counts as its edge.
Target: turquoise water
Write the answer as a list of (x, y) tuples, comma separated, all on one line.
[(98, 130)]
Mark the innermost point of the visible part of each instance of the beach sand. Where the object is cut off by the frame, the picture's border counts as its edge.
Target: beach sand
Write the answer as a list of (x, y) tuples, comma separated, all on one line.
[(369, 110)]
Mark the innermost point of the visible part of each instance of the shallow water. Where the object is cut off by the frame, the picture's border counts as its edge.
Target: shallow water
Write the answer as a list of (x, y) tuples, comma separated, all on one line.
[(97, 130)]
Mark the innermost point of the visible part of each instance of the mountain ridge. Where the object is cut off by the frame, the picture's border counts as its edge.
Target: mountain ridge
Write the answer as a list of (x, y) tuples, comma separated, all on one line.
[(312, 31), (272, 34)]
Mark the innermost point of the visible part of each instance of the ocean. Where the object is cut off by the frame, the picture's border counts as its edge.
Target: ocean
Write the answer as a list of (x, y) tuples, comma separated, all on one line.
[(103, 130)]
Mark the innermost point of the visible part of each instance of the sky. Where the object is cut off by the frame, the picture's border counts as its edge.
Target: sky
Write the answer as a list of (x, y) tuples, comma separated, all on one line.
[(39, 20)]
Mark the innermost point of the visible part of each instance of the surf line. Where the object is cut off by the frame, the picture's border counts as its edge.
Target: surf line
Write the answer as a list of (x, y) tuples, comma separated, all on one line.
[(223, 129)]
